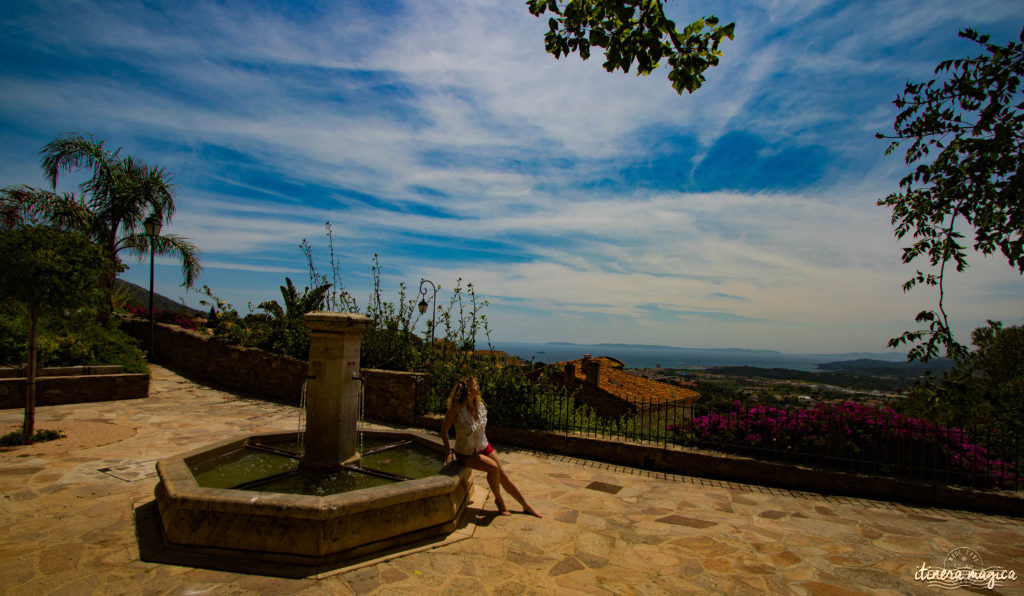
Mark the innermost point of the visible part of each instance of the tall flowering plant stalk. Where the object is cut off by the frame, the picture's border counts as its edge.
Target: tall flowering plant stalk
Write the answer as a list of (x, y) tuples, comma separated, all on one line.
[(854, 437)]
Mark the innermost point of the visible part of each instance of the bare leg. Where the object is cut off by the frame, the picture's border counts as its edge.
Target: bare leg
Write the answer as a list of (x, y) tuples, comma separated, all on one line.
[(506, 482), (493, 471)]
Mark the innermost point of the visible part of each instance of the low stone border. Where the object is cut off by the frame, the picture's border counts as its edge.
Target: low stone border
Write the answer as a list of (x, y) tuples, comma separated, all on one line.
[(8, 372), (677, 460), (62, 390)]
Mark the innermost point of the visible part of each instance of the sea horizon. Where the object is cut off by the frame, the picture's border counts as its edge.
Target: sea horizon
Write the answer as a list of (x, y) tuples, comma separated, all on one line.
[(651, 356)]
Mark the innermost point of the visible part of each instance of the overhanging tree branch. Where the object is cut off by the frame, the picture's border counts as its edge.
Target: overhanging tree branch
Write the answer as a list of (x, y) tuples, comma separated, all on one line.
[(973, 120), (634, 32)]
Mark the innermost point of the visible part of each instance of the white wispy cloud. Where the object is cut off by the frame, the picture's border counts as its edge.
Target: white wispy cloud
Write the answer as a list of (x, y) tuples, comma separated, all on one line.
[(442, 136)]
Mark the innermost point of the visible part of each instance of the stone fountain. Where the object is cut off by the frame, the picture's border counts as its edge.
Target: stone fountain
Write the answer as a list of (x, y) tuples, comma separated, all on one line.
[(311, 525)]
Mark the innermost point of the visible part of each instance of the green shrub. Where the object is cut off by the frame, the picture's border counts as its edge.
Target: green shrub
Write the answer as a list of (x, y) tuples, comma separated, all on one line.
[(69, 339), (718, 395), (987, 384), (515, 400), (17, 437), (98, 344), (13, 331)]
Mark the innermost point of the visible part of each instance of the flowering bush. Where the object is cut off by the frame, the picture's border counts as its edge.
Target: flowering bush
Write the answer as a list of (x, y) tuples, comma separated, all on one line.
[(163, 316), (851, 436)]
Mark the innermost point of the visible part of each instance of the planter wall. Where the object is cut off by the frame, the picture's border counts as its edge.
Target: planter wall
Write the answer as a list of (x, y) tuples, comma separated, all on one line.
[(58, 390)]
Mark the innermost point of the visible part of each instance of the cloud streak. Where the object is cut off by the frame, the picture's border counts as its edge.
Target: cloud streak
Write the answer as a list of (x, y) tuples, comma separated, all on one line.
[(586, 206)]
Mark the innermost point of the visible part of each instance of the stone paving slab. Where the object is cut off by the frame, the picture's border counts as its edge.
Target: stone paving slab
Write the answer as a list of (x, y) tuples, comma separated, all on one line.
[(67, 525)]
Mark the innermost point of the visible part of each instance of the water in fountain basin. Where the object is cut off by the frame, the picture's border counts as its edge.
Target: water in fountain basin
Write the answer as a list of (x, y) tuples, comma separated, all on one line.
[(248, 464), (307, 482), (240, 466), (414, 461)]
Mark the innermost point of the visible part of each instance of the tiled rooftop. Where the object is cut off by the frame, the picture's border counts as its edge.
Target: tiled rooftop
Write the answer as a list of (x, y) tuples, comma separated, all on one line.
[(629, 387)]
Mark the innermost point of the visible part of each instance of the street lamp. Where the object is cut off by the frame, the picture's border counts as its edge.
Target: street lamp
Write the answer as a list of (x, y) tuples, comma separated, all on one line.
[(152, 225), (422, 306)]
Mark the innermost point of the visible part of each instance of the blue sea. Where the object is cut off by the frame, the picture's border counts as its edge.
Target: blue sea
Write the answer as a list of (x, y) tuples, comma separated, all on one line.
[(639, 356)]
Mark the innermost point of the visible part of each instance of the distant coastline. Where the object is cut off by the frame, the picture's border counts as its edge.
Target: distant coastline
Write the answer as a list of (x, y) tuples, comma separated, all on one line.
[(659, 347), (649, 356)]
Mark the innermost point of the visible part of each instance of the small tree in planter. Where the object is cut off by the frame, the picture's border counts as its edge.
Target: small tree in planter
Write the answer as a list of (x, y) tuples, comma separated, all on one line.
[(47, 269)]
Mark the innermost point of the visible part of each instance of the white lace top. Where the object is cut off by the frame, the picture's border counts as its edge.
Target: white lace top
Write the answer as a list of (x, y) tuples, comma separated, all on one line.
[(469, 431)]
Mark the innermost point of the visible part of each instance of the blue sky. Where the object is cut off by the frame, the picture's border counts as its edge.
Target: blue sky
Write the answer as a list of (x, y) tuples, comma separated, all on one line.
[(584, 206)]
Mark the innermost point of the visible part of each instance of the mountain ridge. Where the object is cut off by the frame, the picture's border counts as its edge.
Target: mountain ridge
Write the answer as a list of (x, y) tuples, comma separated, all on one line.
[(135, 295), (844, 356)]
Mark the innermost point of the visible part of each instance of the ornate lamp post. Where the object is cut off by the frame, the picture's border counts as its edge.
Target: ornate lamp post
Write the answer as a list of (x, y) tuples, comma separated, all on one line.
[(422, 306), (152, 230)]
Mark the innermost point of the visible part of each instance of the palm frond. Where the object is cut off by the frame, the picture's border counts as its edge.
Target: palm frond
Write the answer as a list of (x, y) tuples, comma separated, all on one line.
[(184, 249), (272, 308), (167, 245), (122, 191), (139, 191), (73, 151), (314, 299), (35, 206)]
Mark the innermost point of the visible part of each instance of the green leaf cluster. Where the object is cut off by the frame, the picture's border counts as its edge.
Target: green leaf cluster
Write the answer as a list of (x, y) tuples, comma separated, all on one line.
[(964, 135), (987, 384), (282, 330), (272, 327), (984, 389), (634, 33), (18, 437), (49, 270), (67, 337)]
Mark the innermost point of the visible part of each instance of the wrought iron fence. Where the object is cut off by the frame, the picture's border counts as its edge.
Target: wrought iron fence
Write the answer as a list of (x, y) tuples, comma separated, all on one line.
[(846, 437)]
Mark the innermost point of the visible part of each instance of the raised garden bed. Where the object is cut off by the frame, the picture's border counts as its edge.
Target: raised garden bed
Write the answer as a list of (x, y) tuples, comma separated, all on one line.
[(62, 385)]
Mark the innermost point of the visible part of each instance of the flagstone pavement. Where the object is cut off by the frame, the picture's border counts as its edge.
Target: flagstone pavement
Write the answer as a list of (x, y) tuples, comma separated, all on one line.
[(67, 522)]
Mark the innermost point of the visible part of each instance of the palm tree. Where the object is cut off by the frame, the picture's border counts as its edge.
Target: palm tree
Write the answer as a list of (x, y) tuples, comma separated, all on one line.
[(295, 304), (112, 205)]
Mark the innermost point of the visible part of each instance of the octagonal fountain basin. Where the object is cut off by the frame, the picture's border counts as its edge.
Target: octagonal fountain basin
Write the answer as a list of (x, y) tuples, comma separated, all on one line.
[(248, 497)]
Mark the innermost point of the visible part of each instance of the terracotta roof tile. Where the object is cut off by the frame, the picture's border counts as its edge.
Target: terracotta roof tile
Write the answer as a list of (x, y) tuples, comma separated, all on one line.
[(629, 387)]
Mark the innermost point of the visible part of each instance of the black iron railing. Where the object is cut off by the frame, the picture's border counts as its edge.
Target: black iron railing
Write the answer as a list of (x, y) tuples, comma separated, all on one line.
[(845, 436)]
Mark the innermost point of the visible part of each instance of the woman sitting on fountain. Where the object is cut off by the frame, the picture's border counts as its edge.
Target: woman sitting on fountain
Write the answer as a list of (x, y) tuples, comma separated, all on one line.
[(467, 413)]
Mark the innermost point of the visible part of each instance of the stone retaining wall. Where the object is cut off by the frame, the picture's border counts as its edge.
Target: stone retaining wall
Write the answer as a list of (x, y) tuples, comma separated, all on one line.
[(62, 390), (392, 395), (388, 395), (213, 361)]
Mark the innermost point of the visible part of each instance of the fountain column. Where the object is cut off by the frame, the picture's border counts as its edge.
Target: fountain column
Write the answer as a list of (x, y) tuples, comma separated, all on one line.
[(332, 389)]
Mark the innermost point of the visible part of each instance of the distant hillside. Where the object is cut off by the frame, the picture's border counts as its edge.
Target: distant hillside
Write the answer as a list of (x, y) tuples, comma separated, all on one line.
[(660, 347), (702, 350), (138, 296), (849, 379), (742, 352), (882, 368)]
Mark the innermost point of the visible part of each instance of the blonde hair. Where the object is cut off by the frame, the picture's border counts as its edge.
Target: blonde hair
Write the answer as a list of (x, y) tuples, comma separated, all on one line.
[(465, 389)]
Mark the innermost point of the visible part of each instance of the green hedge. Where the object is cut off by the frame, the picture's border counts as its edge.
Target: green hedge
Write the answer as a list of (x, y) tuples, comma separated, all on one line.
[(71, 340)]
